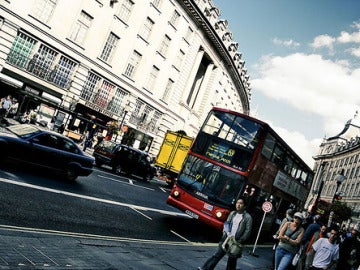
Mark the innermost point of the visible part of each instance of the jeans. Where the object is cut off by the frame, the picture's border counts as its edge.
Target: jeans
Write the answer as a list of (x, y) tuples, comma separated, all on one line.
[(211, 263), (282, 258)]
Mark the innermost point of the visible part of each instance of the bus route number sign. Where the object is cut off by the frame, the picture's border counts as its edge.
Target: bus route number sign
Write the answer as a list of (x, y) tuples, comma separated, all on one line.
[(266, 207)]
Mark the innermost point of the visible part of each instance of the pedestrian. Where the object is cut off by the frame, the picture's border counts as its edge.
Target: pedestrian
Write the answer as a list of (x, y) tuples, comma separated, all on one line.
[(349, 254), (289, 215), (237, 230), (290, 238), (317, 235), (13, 108), (5, 103), (325, 252), (312, 228)]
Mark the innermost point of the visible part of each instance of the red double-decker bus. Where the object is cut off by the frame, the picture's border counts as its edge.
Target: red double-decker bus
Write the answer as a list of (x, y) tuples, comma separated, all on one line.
[(236, 155)]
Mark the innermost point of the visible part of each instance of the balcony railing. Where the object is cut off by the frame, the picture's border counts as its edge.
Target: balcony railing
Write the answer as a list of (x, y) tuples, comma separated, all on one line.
[(42, 68)]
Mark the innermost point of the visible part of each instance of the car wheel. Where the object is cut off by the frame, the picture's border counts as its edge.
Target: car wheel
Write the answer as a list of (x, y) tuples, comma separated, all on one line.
[(71, 174), (117, 169)]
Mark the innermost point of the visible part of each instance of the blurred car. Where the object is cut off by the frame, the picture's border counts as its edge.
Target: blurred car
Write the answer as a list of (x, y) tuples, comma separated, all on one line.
[(35, 146), (124, 159)]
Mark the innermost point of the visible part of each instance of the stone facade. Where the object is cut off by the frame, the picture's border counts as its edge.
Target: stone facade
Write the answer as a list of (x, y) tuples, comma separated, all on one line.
[(149, 65), (340, 153)]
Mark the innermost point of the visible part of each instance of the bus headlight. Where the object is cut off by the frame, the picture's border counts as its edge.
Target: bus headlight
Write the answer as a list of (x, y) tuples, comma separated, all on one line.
[(176, 193), (219, 214)]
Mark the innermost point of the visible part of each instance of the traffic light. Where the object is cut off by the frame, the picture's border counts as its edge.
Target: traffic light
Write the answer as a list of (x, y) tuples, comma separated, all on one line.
[(337, 196)]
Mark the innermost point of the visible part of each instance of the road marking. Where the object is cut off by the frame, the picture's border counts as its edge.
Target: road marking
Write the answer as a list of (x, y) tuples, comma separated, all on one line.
[(182, 237), (101, 237), (66, 193), (163, 190), (125, 183), (141, 213)]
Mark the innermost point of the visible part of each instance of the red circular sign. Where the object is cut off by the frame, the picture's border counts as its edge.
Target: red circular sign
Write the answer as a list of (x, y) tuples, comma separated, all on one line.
[(267, 206)]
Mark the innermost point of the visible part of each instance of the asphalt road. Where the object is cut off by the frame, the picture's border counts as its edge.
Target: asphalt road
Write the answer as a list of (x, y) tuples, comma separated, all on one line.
[(102, 204)]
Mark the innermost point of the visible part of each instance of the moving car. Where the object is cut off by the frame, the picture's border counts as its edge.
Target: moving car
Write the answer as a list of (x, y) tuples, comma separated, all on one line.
[(32, 145), (124, 159)]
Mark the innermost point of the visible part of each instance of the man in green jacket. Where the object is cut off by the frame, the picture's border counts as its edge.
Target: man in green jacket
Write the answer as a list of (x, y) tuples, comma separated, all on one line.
[(237, 230)]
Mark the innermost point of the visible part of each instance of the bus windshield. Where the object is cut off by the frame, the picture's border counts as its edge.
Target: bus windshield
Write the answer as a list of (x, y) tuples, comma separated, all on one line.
[(228, 139), (210, 182)]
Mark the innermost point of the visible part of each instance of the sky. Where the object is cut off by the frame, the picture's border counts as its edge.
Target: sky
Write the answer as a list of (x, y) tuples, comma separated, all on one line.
[(303, 59)]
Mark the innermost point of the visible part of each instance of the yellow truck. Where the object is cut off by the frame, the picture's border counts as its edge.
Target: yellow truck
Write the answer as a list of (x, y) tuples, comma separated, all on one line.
[(172, 154)]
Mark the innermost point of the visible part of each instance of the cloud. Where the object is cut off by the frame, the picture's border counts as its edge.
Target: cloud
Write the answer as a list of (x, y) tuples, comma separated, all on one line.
[(312, 84), (323, 41), (286, 43), (354, 51), (346, 37)]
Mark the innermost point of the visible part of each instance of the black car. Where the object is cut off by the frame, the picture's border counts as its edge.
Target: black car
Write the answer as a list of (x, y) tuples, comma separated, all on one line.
[(124, 159), (35, 146)]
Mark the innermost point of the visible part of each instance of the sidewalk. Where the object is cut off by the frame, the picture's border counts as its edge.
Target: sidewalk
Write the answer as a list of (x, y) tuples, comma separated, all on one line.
[(50, 250)]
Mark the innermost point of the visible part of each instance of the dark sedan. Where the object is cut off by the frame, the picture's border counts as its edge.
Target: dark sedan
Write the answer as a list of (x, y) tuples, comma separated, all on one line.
[(50, 150)]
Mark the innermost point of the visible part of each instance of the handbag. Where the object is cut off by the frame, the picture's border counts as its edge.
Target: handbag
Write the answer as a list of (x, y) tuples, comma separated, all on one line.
[(296, 258), (232, 247)]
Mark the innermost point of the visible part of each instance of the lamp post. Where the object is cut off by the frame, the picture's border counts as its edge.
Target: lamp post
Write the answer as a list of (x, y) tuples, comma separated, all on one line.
[(320, 186), (339, 178), (126, 111)]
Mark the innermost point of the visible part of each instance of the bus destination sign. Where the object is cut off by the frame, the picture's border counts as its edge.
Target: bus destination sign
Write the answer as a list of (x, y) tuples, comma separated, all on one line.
[(220, 153)]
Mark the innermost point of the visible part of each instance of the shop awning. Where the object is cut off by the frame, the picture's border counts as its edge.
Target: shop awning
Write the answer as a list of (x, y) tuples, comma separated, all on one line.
[(11, 81)]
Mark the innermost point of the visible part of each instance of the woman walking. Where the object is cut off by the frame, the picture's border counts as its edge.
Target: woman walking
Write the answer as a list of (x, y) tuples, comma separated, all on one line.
[(290, 237)]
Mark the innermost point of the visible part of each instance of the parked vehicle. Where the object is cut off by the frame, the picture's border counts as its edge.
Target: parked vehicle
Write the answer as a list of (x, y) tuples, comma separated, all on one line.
[(124, 159), (171, 155), (32, 145)]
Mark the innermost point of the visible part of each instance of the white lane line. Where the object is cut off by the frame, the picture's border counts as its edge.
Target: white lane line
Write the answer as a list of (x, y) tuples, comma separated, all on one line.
[(141, 213), (183, 238), (130, 182), (140, 208), (43, 254), (163, 189), (100, 237)]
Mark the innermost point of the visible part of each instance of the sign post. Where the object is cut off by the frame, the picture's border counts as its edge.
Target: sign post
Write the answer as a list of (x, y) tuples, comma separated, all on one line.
[(266, 207)]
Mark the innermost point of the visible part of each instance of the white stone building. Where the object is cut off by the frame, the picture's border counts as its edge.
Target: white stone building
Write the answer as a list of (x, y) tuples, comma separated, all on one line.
[(150, 65), (340, 154)]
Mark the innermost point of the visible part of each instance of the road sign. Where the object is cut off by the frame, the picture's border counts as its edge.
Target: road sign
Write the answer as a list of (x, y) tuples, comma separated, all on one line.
[(266, 207)]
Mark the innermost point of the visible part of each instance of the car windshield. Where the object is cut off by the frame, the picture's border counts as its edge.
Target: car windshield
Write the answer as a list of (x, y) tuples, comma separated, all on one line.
[(107, 145), (24, 131)]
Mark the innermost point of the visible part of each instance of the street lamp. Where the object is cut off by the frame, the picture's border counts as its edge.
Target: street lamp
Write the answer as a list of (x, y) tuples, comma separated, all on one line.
[(339, 178), (126, 111)]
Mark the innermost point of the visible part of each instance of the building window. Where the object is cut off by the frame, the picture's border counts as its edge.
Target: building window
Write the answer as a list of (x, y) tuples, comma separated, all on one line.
[(188, 35), (156, 3), (21, 50), (164, 46), (167, 91), (44, 9), (101, 98), (179, 59), (90, 86), (145, 117), (62, 73), (174, 20), (114, 104), (146, 29), (80, 28), (152, 78), (132, 64), (125, 10), (41, 63), (109, 47)]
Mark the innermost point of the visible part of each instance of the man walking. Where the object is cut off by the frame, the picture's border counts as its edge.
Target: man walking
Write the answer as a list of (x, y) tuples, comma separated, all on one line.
[(326, 252), (237, 230)]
